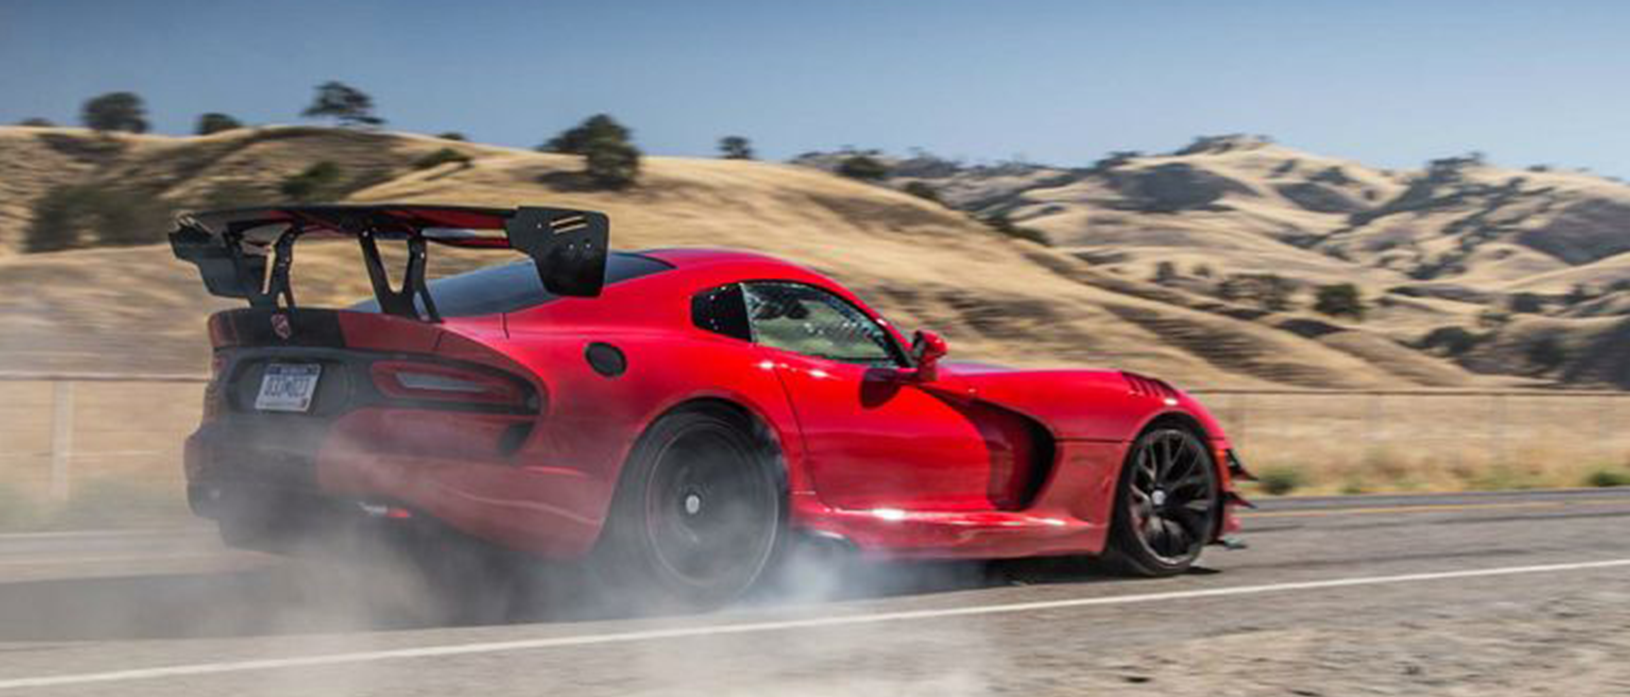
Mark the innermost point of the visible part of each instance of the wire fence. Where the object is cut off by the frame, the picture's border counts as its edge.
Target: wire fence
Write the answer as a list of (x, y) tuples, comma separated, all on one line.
[(1430, 438), (65, 436)]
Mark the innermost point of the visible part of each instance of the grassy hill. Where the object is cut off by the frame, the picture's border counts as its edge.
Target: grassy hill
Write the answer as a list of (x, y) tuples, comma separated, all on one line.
[(113, 299), (1522, 273)]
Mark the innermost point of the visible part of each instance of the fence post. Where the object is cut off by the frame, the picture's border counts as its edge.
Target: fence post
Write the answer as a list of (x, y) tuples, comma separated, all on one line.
[(62, 439)]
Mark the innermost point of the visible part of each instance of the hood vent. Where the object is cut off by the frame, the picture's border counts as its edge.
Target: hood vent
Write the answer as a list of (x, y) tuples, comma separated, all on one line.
[(1145, 386)]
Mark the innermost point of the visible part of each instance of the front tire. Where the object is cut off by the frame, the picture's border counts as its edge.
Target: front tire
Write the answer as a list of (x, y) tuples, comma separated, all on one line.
[(1165, 505), (700, 514)]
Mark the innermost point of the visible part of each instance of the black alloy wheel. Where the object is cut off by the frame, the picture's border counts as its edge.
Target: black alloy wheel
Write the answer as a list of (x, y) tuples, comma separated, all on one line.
[(701, 517), (1167, 504)]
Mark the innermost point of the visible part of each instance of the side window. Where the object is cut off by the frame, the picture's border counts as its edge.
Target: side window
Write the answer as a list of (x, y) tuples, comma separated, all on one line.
[(805, 319), (721, 311)]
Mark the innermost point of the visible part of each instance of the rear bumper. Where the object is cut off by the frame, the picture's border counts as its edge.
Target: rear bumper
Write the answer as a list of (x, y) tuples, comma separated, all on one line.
[(308, 483), (268, 499)]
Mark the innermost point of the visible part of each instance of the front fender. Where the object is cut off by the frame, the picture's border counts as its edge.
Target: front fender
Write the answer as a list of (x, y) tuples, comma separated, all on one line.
[(1071, 404)]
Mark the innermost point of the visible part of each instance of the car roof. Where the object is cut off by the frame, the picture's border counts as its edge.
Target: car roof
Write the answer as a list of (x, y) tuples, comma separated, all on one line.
[(698, 257), (714, 265)]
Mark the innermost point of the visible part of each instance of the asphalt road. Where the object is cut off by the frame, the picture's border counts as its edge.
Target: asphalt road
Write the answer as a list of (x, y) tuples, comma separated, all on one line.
[(1485, 594)]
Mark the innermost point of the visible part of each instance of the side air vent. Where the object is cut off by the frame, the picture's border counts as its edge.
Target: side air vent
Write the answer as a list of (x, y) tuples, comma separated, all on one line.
[(1145, 386)]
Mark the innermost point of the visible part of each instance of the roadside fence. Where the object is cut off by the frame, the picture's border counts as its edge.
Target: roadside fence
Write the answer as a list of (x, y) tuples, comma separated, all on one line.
[(60, 432)]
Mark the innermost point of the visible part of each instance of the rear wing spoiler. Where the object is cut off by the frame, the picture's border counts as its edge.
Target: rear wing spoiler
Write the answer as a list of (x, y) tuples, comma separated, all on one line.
[(247, 252)]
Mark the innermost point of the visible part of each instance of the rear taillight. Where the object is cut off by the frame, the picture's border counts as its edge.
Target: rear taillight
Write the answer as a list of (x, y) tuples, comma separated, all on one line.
[(214, 395), (435, 382)]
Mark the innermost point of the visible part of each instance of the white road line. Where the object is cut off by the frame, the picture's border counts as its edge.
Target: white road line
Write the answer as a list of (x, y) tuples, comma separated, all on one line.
[(166, 532), (754, 627), (34, 561)]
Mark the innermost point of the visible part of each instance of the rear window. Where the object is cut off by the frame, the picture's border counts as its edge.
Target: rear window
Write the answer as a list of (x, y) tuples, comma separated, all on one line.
[(514, 287), (722, 311)]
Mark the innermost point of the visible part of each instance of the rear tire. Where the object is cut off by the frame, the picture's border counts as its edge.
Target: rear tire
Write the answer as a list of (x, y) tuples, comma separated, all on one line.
[(700, 515), (1165, 505)]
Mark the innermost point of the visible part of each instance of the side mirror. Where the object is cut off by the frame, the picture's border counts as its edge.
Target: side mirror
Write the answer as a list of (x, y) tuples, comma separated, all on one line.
[(927, 348)]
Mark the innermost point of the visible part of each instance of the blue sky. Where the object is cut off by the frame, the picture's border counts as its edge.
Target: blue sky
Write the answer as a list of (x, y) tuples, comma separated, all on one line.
[(1391, 83)]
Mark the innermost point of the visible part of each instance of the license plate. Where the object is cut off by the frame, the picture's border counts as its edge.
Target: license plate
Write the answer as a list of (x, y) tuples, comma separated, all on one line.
[(288, 387)]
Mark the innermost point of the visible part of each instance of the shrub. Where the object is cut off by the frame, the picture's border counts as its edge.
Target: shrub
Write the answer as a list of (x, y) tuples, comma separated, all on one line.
[(612, 164), (317, 181), (1115, 159), (1165, 272), (1202, 271), (609, 157), (1275, 293), (215, 123), (1608, 477), (863, 167), (441, 157), (1001, 223), (452, 135), (72, 216), (1546, 352), (923, 191), (36, 122), (61, 220), (1339, 299), (1526, 303), (1454, 340), (1270, 292), (1354, 487), (1493, 319), (115, 111), (735, 148), (343, 103), (1278, 481), (575, 140)]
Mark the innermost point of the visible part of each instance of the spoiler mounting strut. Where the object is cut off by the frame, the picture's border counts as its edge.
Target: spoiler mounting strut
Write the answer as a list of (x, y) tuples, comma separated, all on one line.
[(404, 301)]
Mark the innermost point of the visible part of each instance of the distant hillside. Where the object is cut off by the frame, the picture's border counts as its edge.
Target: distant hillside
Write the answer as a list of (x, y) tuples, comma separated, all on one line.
[(1501, 271), (1086, 299)]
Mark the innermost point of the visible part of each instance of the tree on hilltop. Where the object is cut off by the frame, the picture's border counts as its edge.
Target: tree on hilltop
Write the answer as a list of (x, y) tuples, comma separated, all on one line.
[(576, 140), (735, 148), (115, 111), (214, 122), (343, 103), (863, 167)]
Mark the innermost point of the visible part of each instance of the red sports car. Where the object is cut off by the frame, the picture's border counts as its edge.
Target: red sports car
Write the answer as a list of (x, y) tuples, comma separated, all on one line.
[(684, 412)]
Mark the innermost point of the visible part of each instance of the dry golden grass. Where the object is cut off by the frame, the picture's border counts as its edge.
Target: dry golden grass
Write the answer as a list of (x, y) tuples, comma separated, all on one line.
[(1354, 443), (995, 298)]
